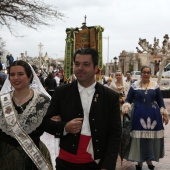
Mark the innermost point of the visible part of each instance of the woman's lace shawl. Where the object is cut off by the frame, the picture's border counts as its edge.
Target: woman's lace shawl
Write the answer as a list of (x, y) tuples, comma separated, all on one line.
[(32, 116)]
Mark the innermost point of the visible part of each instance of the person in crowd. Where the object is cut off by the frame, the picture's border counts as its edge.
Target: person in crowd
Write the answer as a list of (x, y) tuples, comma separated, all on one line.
[(61, 76), (9, 60), (109, 80), (34, 67), (90, 125), (112, 75), (119, 85), (3, 76), (56, 77), (128, 79), (104, 80), (147, 117), (23, 108), (50, 84), (41, 78)]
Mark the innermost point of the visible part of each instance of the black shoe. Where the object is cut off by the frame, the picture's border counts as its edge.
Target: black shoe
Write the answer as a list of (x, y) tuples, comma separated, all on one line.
[(138, 167), (151, 167)]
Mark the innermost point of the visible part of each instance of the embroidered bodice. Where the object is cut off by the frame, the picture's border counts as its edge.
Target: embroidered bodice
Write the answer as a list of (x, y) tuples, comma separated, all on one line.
[(145, 96), (32, 116)]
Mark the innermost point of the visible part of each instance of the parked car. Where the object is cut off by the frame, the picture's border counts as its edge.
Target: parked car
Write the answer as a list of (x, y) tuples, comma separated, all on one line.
[(167, 67), (165, 74), (136, 75)]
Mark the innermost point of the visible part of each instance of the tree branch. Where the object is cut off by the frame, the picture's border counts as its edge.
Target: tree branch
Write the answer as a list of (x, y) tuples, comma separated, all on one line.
[(30, 13)]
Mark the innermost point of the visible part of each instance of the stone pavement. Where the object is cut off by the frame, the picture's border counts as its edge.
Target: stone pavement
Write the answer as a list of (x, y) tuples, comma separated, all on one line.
[(163, 164)]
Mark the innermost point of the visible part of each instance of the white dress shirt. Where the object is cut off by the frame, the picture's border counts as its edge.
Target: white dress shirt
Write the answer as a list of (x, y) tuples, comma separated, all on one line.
[(86, 95)]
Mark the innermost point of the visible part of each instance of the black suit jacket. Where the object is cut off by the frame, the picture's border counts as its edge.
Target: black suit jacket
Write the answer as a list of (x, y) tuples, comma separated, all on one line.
[(104, 120)]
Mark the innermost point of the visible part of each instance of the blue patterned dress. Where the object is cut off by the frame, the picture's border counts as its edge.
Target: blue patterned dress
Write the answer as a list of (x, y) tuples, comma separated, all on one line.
[(147, 131)]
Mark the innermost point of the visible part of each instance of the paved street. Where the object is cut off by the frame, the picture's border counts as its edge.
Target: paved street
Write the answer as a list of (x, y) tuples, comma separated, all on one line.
[(163, 164)]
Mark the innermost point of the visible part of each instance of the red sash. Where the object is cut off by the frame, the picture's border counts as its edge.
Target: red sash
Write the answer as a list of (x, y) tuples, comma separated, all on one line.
[(82, 156)]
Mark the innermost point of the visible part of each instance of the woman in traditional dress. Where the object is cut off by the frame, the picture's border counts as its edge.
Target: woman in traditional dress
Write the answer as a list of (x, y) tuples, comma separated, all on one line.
[(119, 85), (147, 117), (24, 103)]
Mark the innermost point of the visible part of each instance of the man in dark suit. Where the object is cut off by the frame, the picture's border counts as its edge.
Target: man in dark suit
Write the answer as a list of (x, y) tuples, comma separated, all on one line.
[(90, 124)]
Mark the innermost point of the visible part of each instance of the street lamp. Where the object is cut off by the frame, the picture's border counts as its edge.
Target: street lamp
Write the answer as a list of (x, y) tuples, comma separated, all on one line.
[(115, 63)]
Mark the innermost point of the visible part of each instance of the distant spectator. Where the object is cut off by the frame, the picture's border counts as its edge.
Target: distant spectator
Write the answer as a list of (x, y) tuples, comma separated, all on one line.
[(56, 77), (104, 81), (128, 79), (39, 75), (50, 84), (3, 76), (108, 82), (9, 60), (61, 78), (34, 67), (112, 75)]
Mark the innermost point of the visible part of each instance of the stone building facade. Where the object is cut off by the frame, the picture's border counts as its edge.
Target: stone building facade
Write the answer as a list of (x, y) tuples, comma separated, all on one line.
[(134, 61)]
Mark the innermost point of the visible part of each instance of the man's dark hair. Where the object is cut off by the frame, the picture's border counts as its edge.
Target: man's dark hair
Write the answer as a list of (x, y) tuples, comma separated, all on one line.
[(128, 72), (84, 51)]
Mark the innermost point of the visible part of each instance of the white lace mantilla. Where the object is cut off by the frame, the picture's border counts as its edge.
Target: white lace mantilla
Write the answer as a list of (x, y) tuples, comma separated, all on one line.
[(32, 116)]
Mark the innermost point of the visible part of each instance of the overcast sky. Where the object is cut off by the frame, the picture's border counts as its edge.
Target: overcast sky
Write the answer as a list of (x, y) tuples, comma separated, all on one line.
[(124, 22)]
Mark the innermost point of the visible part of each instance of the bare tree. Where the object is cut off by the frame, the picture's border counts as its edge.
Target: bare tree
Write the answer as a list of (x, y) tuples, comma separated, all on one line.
[(30, 13)]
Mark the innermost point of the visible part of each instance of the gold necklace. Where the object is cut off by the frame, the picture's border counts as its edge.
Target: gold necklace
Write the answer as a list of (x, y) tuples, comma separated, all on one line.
[(19, 101)]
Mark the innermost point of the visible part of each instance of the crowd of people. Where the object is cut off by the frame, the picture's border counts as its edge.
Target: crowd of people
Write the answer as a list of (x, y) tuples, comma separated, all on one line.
[(86, 115)]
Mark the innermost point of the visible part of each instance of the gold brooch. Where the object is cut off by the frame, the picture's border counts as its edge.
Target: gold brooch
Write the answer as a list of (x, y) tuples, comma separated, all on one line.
[(95, 98)]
